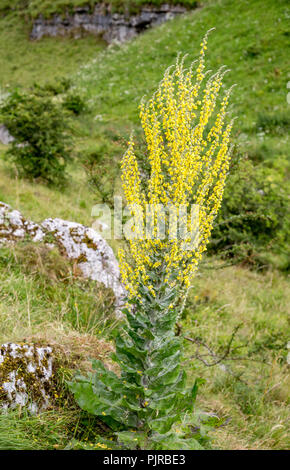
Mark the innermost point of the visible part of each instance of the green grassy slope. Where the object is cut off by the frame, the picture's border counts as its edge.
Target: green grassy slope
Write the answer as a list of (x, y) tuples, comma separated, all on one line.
[(251, 38), (22, 61), (254, 46), (38, 292)]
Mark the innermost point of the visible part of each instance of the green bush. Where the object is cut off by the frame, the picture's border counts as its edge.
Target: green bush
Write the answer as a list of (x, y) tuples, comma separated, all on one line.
[(61, 90), (252, 224), (57, 87), (40, 128), (74, 102)]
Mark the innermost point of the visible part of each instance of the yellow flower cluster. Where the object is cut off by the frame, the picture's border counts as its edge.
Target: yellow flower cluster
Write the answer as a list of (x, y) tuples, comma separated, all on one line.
[(188, 152)]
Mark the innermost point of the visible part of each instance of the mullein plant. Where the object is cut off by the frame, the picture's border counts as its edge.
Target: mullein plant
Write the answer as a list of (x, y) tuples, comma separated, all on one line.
[(188, 151)]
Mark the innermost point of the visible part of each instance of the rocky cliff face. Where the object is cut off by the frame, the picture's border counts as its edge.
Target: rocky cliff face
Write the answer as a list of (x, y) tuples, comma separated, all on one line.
[(101, 22)]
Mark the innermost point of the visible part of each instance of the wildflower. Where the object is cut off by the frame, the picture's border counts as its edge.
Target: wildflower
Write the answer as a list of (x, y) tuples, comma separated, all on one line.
[(188, 153)]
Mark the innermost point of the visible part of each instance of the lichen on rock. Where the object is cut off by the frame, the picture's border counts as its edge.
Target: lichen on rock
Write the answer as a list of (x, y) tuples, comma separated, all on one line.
[(94, 257), (14, 227), (26, 372)]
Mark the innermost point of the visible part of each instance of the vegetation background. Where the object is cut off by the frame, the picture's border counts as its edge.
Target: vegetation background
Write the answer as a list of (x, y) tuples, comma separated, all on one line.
[(242, 282)]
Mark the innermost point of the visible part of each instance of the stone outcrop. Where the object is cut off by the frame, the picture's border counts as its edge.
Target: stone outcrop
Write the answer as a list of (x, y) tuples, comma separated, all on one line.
[(93, 256), (25, 376), (102, 22)]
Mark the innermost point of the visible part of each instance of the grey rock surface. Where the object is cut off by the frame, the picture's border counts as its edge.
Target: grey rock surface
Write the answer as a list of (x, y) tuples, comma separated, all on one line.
[(94, 257), (14, 227), (25, 376), (102, 22), (5, 137)]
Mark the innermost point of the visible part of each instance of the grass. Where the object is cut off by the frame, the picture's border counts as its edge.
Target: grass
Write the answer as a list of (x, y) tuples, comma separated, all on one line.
[(253, 393), (50, 7), (20, 431), (41, 298), (35, 279), (36, 200), (23, 62), (117, 79)]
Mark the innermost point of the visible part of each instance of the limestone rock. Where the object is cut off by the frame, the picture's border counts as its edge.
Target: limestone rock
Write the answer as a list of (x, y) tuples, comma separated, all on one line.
[(102, 22), (13, 226), (5, 136), (25, 376), (93, 256)]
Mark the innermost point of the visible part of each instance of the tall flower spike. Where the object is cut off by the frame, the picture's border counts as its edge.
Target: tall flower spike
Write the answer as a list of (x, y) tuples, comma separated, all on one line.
[(187, 140)]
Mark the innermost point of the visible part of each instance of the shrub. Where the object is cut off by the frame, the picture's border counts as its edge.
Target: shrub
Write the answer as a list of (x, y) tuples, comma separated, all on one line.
[(40, 128), (253, 225), (74, 102), (101, 177), (62, 91), (57, 87), (278, 123), (149, 405)]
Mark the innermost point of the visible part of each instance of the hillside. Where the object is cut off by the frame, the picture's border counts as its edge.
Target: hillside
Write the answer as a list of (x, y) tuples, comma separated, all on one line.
[(115, 81), (39, 291)]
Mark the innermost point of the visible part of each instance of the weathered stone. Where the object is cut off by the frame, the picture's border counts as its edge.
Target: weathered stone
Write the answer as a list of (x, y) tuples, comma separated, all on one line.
[(5, 136), (101, 22), (93, 256), (25, 376), (14, 227)]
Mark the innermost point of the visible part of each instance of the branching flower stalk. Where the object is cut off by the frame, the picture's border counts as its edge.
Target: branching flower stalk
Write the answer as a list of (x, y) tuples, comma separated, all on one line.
[(187, 139)]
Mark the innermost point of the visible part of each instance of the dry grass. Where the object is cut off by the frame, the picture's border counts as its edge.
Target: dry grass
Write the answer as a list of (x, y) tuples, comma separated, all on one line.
[(39, 287), (76, 349)]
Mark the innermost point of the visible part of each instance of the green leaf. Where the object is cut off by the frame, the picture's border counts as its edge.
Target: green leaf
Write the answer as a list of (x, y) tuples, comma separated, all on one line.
[(172, 441)]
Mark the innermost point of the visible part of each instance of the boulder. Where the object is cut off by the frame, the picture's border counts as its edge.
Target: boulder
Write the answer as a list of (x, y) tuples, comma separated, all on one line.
[(91, 253), (5, 136), (26, 373)]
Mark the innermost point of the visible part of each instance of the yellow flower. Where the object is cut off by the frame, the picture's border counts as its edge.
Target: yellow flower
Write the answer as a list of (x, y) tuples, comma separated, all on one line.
[(188, 152)]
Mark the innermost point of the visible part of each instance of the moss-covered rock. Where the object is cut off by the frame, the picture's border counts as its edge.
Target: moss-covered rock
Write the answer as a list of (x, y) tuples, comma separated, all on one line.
[(14, 227)]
